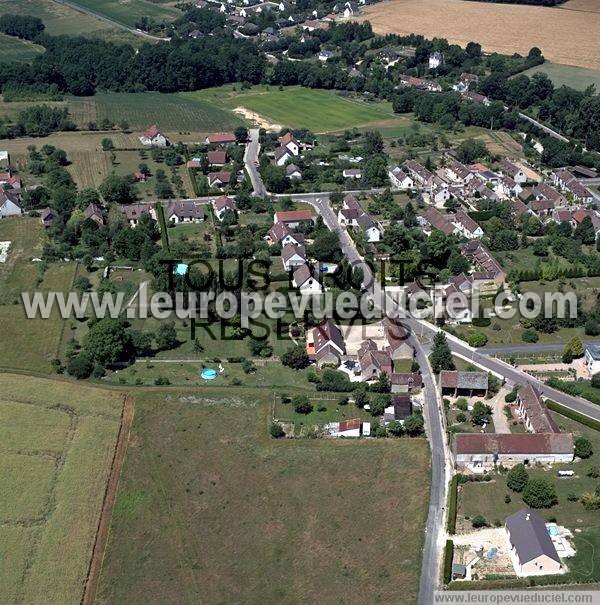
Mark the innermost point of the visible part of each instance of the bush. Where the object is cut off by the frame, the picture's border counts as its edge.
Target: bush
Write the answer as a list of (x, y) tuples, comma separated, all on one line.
[(448, 558), (80, 366), (583, 447), (507, 499), (529, 336), (452, 498), (477, 339), (161, 381), (540, 493), (461, 417), (248, 367), (276, 430), (517, 478), (302, 404), (295, 358), (479, 521), (461, 404), (332, 380), (585, 420), (511, 397)]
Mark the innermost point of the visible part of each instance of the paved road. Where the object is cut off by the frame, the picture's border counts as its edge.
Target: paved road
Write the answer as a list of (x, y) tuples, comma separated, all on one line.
[(546, 129), (251, 163), (118, 24)]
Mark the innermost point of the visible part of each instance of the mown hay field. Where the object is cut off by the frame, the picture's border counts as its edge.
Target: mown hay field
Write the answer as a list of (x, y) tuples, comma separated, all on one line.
[(567, 34), (57, 442), (210, 509)]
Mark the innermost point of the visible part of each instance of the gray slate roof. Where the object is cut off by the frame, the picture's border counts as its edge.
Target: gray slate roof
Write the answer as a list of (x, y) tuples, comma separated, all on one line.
[(529, 536)]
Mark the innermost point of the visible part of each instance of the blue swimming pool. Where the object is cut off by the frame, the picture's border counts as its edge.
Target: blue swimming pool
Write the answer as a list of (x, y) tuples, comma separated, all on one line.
[(553, 530), (208, 374), (180, 269)]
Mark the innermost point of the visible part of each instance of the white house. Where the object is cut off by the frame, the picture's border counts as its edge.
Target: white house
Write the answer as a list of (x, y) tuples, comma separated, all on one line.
[(399, 179), (184, 212), (303, 280), (352, 173), (293, 256), (290, 143), (513, 171), (467, 226), (9, 204), (592, 359), (435, 60), (154, 137), (282, 156), (293, 173)]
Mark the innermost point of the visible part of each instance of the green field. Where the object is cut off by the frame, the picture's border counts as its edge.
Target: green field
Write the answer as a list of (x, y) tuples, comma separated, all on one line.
[(57, 442), (22, 51), (568, 75), (211, 510), (297, 107), (33, 342), (61, 19), (171, 112), (129, 12)]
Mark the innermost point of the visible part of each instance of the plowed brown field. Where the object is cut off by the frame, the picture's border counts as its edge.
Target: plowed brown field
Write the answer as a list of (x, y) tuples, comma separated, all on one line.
[(568, 34)]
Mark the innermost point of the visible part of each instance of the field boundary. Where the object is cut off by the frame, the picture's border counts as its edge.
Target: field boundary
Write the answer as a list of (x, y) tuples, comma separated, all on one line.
[(101, 539)]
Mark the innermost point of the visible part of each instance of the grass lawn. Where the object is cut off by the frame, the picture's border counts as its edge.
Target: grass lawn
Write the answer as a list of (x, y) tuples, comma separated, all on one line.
[(129, 12), (57, 444), (211, 509), (297, 107), (13, 49), (568, 75), (271, 375), (60, 19), (488, 498), (333, 412)]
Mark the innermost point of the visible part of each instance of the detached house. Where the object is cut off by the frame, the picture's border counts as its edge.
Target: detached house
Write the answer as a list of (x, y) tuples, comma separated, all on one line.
[(94, 213), (303, 279), (282, 155), (372, 362), (222, 204), (513, 171), (134, 212), (327, 344), (281, 234), (532, 550), (154, 137), (458, 173), (399, 179), (293, 256), (467, 226), (184, 212), (219, 179), (352, 215), (9, 204)]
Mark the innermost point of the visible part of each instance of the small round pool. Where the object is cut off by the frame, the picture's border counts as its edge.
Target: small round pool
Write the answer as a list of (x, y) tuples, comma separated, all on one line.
[(180, 269), (208, 374)]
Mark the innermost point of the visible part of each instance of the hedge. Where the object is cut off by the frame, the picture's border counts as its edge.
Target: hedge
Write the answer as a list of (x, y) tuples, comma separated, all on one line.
[(452, 502), (448, 556), (581, 418)]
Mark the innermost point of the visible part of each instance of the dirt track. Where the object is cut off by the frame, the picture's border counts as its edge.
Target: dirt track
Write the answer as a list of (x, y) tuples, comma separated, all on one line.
[(91, 584)]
